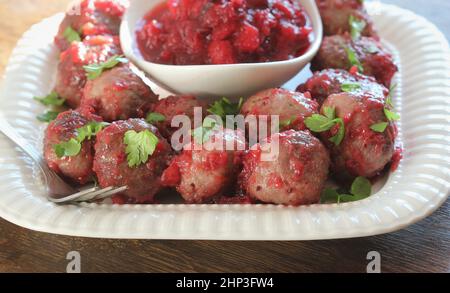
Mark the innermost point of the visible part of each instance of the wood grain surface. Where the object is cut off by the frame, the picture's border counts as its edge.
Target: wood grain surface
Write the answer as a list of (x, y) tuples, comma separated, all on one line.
[(423, 247)]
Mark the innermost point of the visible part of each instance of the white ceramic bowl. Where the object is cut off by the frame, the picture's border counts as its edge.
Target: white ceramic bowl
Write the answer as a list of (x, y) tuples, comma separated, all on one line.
[(216, 80)]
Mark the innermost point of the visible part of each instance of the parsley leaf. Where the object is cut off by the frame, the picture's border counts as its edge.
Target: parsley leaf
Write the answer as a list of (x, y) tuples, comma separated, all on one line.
[(329, 195), (361, 188), (330, 113), (50, 100), (350, 87), (93, 71), (357, 26), (390, 115), (339, 137), (48, 116), (379, 127), (389, 97), (155, 117), (349, 198), (318, 123), (353, 58), (90, 130), (224, 107), (287, 122), (68, 149), (140, 145), (321, 123), (203, 133), (72, 147), (71, 35)]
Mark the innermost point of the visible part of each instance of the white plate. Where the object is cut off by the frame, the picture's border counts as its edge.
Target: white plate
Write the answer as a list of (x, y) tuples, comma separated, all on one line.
[(419, 186)]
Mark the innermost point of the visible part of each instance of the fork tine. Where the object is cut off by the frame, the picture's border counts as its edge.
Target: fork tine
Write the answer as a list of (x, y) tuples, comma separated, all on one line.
[(110, 193), (91, 195), (73, 196)]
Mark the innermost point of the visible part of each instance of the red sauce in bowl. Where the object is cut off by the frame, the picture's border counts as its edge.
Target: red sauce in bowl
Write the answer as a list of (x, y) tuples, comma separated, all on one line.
[(198, 32)]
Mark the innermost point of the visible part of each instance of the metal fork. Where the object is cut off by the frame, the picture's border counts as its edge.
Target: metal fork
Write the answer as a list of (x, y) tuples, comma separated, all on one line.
[(58, 191)]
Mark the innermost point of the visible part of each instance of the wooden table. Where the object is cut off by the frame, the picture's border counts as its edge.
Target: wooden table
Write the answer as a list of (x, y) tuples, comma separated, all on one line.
[(423, 247)]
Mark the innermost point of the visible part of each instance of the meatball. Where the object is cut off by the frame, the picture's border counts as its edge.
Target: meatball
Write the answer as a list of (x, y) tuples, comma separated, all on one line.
[(332, 81), (336, 16), (295, 175), (111, 164), (71, 76), (78, 169), (177, 105), (337, 52), (363, 151), (201, 173), (291, 107), (119, 94), (90, 18)]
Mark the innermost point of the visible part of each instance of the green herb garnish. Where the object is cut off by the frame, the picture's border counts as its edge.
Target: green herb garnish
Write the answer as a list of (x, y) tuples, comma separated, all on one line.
[(50, 100), (360, 189), (389, 97), (357, 26), (350, 87), (69, 148), (353, 59), (390, 115), (93, 71), (388, 112), (47, 116), (71, 35), (155, 118), (90, 130), (287, 122), (73, 146), (224, 107), (140, 145), (379, 127), (321, 123), (202, 134)]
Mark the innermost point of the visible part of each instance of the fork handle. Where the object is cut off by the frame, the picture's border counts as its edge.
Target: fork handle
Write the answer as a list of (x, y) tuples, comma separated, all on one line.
[(57, 188), (21, 142)]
